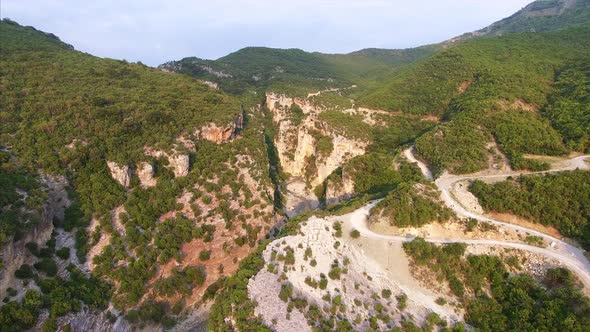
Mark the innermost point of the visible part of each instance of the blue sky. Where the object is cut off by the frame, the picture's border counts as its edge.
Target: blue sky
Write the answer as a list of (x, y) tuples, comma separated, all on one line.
[(157, 31)]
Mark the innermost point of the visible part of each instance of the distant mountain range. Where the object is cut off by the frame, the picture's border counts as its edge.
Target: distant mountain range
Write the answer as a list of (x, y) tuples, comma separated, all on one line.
[(261, 67)]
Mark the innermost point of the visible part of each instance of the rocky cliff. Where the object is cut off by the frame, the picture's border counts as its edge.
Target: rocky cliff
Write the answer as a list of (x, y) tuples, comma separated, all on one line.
[(145, 173), (300, 152), (339, 188), (14, 253), (120, 173), (212, 132)]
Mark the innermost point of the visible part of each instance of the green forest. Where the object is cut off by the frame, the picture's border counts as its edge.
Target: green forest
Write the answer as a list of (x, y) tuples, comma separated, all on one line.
[(48, 103), (560, 200), (411, 206), (53, 121), (480, 87), (568, 105), (496, 300), (18, 213)]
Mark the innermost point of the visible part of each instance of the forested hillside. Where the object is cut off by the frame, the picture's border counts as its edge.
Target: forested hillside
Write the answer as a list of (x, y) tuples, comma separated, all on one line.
[(544, 15), (478, 88), (569, 104), (498, 87), (559, 200), (496, 300), (294, 71), (152, 191), (154, 176)]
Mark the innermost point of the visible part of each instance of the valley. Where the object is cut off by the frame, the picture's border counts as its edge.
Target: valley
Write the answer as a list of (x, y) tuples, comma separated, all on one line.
[(439, 188), (387, 271)]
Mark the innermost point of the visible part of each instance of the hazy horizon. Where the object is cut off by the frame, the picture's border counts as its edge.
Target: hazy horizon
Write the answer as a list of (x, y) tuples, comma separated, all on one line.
[(153, 32)]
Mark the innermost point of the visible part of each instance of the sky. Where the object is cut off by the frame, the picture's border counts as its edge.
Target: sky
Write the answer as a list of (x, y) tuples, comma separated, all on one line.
[(156, 31)]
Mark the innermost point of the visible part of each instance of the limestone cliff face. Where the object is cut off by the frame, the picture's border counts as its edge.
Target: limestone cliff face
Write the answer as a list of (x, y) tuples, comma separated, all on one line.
[(214, 133), (297, 147), (296, 144), (14, 254), (339, 188), (145, 173), (344, 150), (178, 162), (120, 173)]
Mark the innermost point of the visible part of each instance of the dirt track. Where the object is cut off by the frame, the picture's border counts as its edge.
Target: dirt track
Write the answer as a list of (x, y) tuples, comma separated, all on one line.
[(566, 253)]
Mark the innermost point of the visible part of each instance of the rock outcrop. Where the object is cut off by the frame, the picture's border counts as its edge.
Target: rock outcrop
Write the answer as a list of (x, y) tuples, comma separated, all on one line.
[(14, 253), (339, 189), (297, 147), (214, 133), (344, 150), (121, 174), (178, 162), (296, 144), (145, 173)]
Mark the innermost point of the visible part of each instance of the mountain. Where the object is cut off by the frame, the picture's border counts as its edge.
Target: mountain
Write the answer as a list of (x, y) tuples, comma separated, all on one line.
[(273, 189), (292, 70), (297, 72), (471, 82), (139, 185), (544, 15)]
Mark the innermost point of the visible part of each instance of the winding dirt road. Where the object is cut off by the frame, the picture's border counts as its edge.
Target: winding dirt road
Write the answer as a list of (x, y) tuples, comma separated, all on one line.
[(567, 254)]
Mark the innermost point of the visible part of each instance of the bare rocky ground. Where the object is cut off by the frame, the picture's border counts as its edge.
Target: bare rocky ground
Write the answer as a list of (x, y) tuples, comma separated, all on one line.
[(455, 229), (371, 266), (298, 198)]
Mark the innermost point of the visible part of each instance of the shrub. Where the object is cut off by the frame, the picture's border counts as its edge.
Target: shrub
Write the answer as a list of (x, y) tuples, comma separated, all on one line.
[(402, 302), (323, 283), (24, 272), (386, 293), (63, 253), (286, 292), (204, 255)]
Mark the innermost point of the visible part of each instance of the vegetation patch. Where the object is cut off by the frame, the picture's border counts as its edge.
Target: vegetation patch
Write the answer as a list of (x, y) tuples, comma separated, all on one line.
[(560, 200), (497, 300), (348, 125), (409, 206)]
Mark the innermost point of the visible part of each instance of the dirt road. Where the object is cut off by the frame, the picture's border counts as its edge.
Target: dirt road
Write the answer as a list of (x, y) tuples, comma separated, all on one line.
[(566, 253)]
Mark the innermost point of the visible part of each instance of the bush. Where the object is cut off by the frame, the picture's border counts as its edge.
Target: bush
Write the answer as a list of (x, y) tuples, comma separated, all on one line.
[(386, 293), (33, 248), (323, 283), (50, 325), (402, 302), (355, 234), (63, 253), (24, 272), (204, 255), (286, 292), (48, 266)]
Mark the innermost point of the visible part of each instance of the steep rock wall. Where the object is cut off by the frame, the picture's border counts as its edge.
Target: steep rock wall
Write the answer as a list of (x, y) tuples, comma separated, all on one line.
[(340, 188), (178, 162), (212, 132), (145, 173), (15, 254), (120, 173), (296, 143)]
